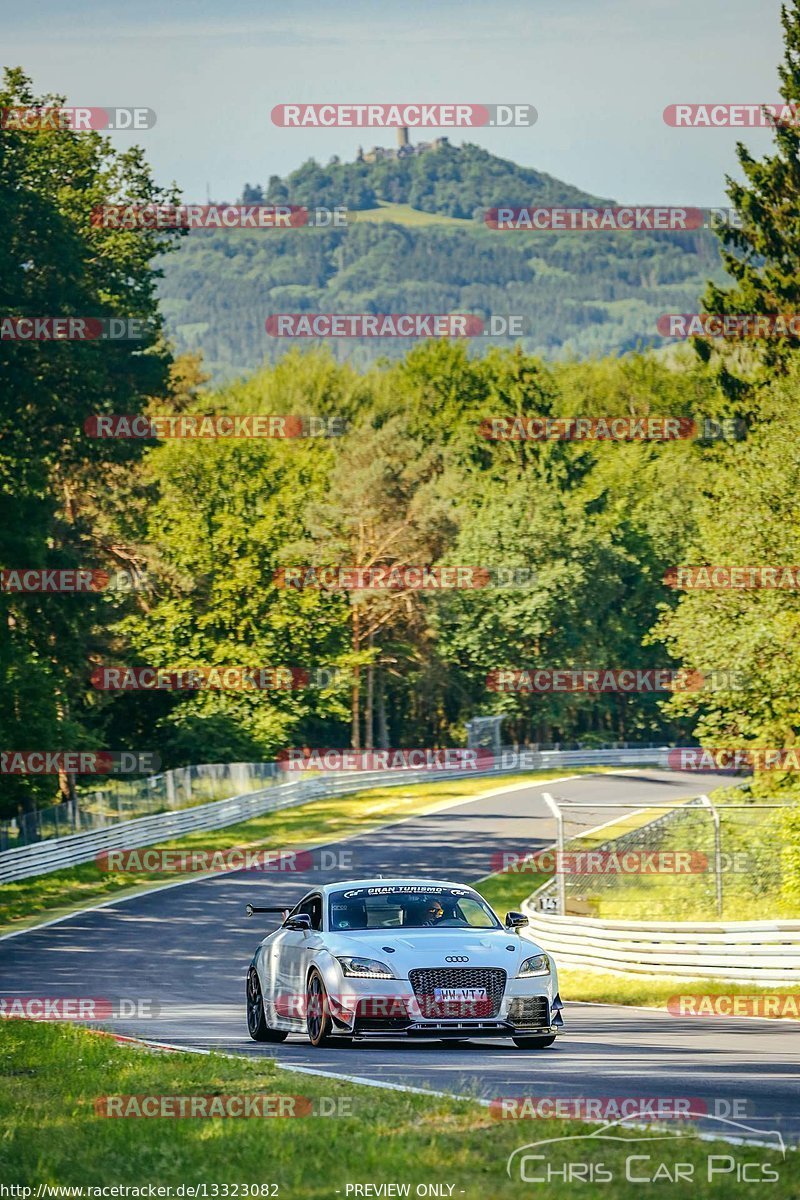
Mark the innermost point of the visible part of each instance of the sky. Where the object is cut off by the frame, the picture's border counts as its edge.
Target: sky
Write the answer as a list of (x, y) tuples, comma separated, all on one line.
[(599, 72)]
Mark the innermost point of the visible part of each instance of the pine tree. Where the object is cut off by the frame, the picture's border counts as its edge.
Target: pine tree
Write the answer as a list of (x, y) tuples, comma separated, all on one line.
[(762, 253)]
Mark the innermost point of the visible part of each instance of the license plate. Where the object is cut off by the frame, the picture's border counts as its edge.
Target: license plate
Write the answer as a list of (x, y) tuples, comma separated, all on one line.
[(442, 995)]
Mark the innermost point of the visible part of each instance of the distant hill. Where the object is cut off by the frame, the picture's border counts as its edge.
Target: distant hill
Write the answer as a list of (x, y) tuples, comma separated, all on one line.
[(457, 181), (417, 242)]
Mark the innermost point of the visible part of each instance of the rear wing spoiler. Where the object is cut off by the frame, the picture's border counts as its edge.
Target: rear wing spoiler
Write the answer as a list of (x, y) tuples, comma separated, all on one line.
[(252, 909)]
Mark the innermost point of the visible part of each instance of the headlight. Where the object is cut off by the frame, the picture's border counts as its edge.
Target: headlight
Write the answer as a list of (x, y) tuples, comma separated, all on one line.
[(538, 964), (365, 968)]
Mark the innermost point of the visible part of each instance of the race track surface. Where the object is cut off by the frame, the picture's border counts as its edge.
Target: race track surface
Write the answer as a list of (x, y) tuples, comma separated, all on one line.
[(185, 949)]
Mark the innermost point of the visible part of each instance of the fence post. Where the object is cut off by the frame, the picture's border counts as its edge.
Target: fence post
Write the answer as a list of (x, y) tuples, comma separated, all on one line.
[(560, 877), (706, 802)]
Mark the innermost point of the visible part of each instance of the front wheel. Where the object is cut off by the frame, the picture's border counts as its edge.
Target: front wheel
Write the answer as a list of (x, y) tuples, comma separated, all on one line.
[(318, 1016), (534, 1043), (257, 1025)]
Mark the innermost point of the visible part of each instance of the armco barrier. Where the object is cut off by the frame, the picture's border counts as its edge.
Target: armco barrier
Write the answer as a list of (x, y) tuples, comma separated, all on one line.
[(52, 855), (766, 952)]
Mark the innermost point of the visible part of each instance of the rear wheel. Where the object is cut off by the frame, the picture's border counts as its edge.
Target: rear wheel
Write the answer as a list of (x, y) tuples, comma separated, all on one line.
[(534, 1043), (318, 1016), (257, 1025)]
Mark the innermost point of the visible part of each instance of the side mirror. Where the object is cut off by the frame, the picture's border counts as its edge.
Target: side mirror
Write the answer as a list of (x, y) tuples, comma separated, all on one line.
[(301, 921), (515, 920)]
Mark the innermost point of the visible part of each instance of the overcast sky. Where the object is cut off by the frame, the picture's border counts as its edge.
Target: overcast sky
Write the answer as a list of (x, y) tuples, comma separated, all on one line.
[(599, 72)]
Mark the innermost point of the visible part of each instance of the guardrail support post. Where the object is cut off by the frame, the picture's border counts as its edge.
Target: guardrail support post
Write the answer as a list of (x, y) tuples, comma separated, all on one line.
[(552, 804)]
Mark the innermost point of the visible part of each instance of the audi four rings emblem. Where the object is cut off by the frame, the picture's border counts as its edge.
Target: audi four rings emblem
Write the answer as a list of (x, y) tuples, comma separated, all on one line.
[(456, 958)]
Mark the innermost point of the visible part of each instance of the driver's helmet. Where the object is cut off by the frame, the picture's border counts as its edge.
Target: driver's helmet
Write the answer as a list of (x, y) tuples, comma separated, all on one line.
[(433, 910)]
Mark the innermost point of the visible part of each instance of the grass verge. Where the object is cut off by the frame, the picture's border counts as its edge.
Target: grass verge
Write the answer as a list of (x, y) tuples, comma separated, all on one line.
[(28, 901), (404, 214), (656, 991), (52, 1076)]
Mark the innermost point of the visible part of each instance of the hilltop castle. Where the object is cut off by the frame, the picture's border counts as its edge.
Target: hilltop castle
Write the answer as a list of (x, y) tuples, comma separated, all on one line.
[(404, 148)]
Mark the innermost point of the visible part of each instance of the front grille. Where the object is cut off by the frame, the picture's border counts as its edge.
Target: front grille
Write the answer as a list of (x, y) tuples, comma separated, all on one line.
[(426, 980), (531, 1011)]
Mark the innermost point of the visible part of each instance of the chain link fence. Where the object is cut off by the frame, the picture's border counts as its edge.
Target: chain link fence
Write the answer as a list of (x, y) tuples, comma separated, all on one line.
[(182, 787), (695, 861)]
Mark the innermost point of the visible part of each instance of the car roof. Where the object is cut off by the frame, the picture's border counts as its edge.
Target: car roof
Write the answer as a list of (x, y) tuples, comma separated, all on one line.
[(391, 881)]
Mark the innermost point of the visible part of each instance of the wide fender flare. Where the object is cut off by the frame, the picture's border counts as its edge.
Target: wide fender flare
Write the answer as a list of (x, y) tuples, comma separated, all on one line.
[(329, 969)]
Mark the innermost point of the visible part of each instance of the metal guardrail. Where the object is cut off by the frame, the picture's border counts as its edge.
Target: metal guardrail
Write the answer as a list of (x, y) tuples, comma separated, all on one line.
[(765, 952), (57, 853), (127, 799)]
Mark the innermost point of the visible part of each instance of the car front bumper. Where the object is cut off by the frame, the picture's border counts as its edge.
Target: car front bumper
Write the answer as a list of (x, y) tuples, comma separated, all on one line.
[(382, 1009)]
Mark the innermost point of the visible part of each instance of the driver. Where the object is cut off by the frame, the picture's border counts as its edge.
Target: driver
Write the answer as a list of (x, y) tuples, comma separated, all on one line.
[(434, 913)]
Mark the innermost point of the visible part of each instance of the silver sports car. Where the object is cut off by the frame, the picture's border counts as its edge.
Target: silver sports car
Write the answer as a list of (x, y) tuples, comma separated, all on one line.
[(395, 958)]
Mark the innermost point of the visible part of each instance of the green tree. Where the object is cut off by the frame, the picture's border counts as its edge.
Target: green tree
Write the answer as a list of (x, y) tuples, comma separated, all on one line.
[(747, 516), (761, 253), (55, 262)]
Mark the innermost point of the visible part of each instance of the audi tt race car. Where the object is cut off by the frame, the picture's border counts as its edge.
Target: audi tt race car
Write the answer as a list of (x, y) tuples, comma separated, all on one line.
[(417, 958)]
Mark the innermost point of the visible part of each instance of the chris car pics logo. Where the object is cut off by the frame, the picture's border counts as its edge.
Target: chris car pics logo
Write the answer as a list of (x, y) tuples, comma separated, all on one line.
[(650, 1156)]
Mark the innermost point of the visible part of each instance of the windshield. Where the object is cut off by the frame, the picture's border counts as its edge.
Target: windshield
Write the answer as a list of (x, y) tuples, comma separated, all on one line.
[(409, 906)]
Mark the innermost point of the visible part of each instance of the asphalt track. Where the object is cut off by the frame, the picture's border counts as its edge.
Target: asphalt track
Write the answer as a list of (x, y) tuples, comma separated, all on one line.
[(184, 950)]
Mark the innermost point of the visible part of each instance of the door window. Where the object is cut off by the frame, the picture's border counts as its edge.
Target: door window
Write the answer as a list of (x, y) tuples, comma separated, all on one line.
[(312, 907)]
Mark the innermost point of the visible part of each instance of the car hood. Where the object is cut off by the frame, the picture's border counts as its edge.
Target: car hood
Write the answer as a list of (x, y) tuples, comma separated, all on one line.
[(432, 947)]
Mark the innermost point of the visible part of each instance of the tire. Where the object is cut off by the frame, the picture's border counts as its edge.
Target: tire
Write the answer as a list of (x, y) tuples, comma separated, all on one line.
[(534, 1043), (257, 1025), (318, 1016)]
